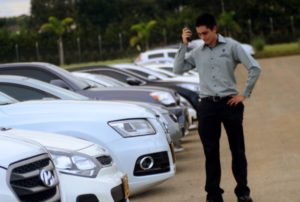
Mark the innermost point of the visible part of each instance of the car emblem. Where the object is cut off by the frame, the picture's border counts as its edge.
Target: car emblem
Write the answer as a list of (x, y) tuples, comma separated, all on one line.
[(48, 177)]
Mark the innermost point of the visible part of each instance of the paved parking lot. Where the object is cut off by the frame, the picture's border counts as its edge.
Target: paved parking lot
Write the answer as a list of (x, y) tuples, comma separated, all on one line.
[(272, 117)]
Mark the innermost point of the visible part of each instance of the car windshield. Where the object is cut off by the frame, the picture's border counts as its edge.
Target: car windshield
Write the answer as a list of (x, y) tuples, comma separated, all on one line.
[(80, 84), (5, 99), (67, 94), (147, 73), (110, 82)]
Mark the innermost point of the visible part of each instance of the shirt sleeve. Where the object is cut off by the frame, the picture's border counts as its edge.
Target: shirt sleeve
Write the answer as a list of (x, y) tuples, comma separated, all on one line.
[(183, 61), (252, 66)]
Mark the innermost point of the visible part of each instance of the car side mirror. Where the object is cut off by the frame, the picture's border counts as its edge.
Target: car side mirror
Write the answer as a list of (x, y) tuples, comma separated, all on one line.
[(59, 83), (133, 81)]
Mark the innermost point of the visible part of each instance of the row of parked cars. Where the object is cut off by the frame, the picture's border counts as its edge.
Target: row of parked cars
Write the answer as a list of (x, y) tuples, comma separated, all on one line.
[(100, 133)]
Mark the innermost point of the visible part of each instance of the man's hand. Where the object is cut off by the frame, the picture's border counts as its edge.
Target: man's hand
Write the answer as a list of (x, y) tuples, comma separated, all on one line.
[(186, 35), (236, 99)]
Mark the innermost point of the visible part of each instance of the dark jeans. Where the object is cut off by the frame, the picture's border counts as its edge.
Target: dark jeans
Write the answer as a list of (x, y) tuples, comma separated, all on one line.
[(211, 115)]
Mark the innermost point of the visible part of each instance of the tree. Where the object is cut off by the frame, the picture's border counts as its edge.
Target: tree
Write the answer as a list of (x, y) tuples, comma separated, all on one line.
[(227, 23), (143, 30), (59, 27)]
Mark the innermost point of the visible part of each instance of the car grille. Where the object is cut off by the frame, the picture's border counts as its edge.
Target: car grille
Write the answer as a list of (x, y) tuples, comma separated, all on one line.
[(160, 164), (28, 182), (105, 160)]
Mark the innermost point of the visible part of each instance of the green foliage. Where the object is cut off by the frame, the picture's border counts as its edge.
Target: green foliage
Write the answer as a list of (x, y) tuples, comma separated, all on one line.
[(258, 43), (110, 19), (59, 27), (227, 24), (143, 31), (279, 50)]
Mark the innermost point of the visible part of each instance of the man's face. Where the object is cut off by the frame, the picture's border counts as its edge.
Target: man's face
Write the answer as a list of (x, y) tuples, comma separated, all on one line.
[(207, 35)]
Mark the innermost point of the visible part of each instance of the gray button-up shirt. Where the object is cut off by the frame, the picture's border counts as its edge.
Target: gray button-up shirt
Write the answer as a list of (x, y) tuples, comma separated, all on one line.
[(216, 67)]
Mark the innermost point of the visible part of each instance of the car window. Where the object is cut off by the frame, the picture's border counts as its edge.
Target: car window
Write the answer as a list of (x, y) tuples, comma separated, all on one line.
[(23, 93), (145, 74), (171, 54), (111, 73), (170, 69), (110, 82), (157, 55), (30, 72), (5, 99)]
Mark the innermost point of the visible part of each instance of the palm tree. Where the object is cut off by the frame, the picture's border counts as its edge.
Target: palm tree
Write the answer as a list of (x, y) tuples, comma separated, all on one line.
[(59, 27), (143, 30)]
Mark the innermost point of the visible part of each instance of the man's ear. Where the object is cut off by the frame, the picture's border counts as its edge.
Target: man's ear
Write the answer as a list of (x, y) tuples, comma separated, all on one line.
[(214, 29)]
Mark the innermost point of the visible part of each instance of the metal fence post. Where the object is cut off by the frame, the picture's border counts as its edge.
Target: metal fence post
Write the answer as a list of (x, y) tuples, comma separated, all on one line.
[(37, 51), (78, 49), (100, 46), (17, 52)]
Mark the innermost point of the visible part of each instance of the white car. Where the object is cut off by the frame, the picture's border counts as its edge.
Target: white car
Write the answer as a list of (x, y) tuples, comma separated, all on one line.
[(154, 75), (133, 135), (27, 172), (86, 166), (167, 55), (156, 55), (24, 89), (161, 68)]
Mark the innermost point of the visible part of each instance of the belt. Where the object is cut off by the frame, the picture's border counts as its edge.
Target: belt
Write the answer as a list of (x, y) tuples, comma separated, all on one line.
[(215, 98)]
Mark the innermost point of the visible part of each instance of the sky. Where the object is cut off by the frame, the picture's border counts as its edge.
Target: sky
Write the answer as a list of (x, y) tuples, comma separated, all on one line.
[(10, 8)]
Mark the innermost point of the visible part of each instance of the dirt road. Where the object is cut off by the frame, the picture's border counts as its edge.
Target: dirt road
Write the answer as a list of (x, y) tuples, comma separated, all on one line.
[(272, 135)]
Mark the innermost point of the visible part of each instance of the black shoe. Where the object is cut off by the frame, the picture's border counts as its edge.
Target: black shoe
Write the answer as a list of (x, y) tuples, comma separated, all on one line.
[(215, 200), (245, 198)]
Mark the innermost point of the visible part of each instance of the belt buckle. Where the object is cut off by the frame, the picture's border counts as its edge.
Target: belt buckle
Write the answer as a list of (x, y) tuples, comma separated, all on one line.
[(216, 98)]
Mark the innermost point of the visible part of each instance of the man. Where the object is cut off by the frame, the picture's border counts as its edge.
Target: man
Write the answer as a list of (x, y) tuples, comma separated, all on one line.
[(219, 102)]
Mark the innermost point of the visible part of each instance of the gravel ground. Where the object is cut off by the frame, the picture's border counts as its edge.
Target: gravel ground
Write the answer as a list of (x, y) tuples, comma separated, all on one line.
[(272, 138)]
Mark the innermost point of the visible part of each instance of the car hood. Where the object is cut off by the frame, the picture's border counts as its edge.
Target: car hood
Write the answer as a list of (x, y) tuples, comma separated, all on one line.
[(16, 150), (102, 110), (50, 140), (158, 109)]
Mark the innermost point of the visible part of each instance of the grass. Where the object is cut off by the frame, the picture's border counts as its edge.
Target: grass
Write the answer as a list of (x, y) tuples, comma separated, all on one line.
[(124, 60), (279, 50)]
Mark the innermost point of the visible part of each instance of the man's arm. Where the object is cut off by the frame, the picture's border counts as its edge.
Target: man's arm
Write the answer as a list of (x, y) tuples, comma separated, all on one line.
[(252, 66), (184, 62)]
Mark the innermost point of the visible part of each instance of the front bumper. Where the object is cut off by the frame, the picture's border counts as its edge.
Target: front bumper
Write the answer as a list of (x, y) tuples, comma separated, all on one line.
[(6, 193), (127, 151), (107, 186)]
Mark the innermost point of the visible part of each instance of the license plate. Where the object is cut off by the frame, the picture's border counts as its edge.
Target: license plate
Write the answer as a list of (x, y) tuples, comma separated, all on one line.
[(125, 186)]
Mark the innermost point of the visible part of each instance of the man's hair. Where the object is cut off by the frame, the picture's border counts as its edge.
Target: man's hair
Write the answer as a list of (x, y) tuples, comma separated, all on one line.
[(207, 20)]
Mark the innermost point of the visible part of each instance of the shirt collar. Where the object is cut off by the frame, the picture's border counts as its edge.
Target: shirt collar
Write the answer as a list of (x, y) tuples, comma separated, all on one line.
[(221, 39)]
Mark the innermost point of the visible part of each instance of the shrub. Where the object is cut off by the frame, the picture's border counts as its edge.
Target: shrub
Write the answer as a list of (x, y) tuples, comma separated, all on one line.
[(258, 43)]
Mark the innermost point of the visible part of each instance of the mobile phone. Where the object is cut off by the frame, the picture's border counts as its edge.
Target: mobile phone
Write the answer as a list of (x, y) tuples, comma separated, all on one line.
[(189, 38)]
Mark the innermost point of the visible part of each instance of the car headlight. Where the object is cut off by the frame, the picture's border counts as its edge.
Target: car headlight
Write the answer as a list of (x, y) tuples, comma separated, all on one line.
[(190, 86), (75, 163), (163, 97), (133, 127)]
